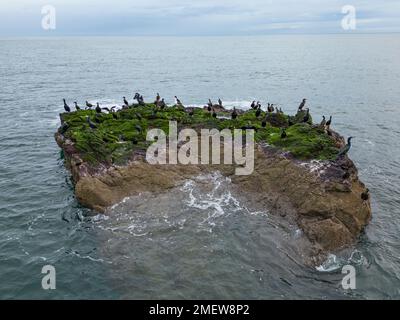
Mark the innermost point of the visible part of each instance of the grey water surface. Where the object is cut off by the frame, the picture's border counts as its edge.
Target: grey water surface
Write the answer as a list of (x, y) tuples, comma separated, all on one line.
[(190, 242)]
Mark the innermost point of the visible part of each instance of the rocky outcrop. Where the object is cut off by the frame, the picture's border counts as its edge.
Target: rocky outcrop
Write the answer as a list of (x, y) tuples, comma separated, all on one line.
[(323, 197)]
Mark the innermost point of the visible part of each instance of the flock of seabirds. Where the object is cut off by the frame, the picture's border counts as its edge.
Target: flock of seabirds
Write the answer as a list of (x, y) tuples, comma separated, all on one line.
[(161, 104)]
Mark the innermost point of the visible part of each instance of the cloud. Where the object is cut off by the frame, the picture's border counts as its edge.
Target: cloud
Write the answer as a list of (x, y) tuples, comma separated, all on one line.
[(201, 17)]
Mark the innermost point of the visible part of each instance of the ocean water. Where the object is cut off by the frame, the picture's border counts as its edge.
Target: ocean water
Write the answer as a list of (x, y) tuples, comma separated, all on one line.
[(198, 240)]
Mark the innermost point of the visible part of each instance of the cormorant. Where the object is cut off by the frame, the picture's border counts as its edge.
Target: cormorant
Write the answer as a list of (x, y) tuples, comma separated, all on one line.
[(365, 195), (76, 106), (269, 107), (220, 102), (89, 105), (158, 97), (280, 110), (258, 112), (264, 123), (328, 123), (345, 149), (234, 113), (178, 102), (162, 104), (253, 104), (66, 107), (307, 116), (98, 109), (283, 133), (91, 124), (323, 122), (126, 101), (64, 128), (209, 103), (272, 107), (302, 104), (258, 105)]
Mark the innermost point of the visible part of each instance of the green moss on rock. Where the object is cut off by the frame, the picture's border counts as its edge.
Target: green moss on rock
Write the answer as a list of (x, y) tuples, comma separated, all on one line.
[(118, 135)]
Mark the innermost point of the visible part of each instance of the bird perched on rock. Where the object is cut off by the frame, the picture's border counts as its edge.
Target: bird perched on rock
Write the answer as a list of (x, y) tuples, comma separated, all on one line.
[(258, 112), (64, 128), (76, 106), (264, 123), (345, 149), (302, 104), (91, 124), (126, 102), (220, 102), (307, 116), (162, 104), (234, 113), (272, 107), (89, 105), (209, 103), (253, 104), (98, 109), (328, 123), (323, 122), (283, 133), (365, 195), (66, 107), (178, 102)]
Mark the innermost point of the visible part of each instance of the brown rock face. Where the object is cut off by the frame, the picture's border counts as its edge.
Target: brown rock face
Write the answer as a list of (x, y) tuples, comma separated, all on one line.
[(323, 198)]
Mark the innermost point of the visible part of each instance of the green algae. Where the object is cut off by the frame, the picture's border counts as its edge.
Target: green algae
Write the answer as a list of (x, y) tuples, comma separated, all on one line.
[(118, 134)]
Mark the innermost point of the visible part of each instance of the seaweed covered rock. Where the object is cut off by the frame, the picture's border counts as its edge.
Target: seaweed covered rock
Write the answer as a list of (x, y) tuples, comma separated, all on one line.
[(297, 173)]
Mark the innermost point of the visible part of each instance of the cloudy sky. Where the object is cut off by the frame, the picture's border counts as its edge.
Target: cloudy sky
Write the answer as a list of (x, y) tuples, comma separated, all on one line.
[(195, 17)]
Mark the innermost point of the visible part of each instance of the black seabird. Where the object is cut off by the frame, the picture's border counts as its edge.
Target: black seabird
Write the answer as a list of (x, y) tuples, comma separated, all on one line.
[(125, 101), (234, 113), (345, 149), (323, 122), (365, 195), (178, 102), (76, 106), (302, 104), (328, 123), (89, 105), (66, 107), (272, 107), (91, 124), (220, 102), (162, 104), (210, 104), (258, 112), (253, 104), (307, 116), (98, 109)]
